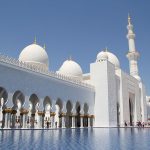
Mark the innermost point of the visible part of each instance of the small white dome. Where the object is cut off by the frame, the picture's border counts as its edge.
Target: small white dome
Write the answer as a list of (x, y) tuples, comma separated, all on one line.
[(71, 68), (105, 55), (102, 56), (34, 54)]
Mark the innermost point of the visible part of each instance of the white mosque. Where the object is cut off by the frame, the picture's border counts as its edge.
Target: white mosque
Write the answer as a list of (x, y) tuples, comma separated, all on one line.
[(31, 96)]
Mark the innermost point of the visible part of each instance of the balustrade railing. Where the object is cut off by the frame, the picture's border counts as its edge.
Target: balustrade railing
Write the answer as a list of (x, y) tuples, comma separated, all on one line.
[(42, 70)]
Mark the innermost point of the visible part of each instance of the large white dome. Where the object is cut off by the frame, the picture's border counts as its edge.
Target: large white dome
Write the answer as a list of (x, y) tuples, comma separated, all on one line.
[(110, 57), (71, 68), (34, 54)]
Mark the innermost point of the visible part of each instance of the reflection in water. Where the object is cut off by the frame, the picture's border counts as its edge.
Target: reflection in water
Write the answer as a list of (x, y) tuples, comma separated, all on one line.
[(76, 139)]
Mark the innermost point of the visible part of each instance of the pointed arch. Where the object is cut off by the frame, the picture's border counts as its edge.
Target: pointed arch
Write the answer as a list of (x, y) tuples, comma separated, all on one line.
[(59, 103), (85, 119), (18, 100), (47, 103), (69, 107), (34, 101), (3, 96), (86, 108), (58, 116)]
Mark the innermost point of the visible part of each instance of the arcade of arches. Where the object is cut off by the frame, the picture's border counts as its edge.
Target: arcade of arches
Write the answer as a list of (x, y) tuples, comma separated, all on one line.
[(53, 115)]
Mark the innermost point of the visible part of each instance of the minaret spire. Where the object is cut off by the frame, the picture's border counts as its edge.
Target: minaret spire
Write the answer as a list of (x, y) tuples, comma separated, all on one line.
[(129, 19), (132, 55)]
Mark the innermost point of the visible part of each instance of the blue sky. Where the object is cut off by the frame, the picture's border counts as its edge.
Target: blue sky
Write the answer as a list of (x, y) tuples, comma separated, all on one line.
[(80, 28)]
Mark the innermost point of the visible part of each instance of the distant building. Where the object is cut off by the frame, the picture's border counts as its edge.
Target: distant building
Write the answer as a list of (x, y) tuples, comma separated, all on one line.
[(31, 96)]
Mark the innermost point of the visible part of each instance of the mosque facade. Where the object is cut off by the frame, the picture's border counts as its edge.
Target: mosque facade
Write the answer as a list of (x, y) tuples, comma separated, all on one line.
[(31, 96)]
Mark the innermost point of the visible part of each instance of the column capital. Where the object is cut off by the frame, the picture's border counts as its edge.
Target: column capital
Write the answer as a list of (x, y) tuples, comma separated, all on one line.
[(41, 113), (7, 110), (92, 116), (52, 113), (24, 111), (81, 115), (63, 114), (13, 111), (73, 114)]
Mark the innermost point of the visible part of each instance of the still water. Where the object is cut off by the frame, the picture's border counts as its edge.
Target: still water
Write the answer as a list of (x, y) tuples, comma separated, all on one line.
[(76, 139)]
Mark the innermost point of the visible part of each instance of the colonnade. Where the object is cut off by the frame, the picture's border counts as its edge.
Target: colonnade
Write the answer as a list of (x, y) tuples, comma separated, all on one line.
[(25, 119), (59, 115)]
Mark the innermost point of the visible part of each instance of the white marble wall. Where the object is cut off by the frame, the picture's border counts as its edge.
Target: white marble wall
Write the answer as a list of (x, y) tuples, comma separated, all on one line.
[(103, 78), (13, 78)]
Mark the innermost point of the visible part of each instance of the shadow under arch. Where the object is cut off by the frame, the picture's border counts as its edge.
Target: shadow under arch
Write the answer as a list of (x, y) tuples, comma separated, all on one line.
[(131, 112), (33, 110), (58, 113), (69, 107), (77, 119), (34, 100), (16, 116), (3, 101), (118, 114), (47, 103), (85, 119), (18, 100), (3, 97)]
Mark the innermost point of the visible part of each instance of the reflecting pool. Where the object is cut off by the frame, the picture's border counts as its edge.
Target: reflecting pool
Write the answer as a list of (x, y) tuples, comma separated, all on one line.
[(76, 139)]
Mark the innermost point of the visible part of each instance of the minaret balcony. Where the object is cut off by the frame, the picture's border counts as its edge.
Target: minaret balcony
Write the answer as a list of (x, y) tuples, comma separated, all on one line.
[(133, 55), (130, 36)]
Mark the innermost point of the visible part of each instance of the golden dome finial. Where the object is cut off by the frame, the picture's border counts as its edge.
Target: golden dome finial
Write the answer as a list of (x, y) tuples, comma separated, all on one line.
[(35, 40), (106, 49), (44, 46), (70, 58), (129, 19)]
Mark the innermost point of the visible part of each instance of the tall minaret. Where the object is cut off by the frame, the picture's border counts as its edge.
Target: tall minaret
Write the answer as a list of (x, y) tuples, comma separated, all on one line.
[(132, 55)]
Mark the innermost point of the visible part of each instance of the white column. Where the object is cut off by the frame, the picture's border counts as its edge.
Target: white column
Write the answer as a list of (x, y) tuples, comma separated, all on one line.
[(36, 120), (5, 123), (52, 115), (39, 121), (13, 120), (92, 121), (8, 117), (81, 121), (73, 121), (73, 116), (89, 121), (1, 116), (6, 120), (1, 111), (63, 121), (24, 121), (81, 116), (64, 111), (52, 121), (17, 124)]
